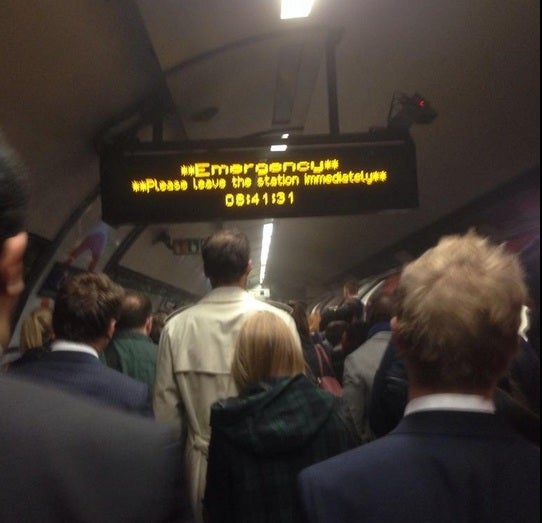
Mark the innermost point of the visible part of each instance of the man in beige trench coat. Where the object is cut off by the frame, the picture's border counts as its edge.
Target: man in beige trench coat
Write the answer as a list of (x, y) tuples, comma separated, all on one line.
[(195, 351)]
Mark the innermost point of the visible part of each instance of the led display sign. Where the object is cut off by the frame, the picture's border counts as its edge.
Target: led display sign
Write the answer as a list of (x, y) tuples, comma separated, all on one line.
[(232, 180)]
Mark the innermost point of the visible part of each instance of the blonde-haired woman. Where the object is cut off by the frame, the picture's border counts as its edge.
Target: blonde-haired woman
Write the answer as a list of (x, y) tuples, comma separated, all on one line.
[(37, 329), (34, 340), (279, 424)]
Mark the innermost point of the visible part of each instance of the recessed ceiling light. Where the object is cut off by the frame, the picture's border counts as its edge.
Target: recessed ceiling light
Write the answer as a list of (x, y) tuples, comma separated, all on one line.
[(295, 9)]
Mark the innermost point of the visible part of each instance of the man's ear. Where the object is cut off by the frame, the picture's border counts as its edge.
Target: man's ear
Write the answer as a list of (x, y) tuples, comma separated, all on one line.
[(11, 264), (111, 328), (249, 268), (148, 325), (396, 337), (11, 281)]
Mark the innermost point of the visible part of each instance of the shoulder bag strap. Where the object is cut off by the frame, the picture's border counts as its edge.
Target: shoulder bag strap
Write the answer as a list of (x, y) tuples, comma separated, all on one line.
[(319, 357), (322, 355)]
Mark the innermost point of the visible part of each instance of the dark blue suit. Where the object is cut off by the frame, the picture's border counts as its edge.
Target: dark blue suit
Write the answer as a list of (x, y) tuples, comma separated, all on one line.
[(63, 459), (84, 374), (444, 466)]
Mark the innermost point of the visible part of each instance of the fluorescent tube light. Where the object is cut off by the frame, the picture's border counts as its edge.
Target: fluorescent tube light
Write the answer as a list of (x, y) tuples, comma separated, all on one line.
[(267, 232)]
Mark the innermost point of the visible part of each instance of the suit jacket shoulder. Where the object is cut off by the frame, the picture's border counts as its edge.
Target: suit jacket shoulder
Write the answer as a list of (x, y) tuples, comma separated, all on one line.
[(441, 466), (64, 459), (84, 374)]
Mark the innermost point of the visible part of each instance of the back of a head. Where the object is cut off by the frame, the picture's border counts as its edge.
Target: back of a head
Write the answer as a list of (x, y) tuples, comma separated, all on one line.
[(354, 335), (350, 310), (37, 329), (135, 310), (350, 288), (335, 330), (84, 307), (158, 321), (265, 348), (13, 192), (226, 255), (380, 307), (458, 310), (328, 315)]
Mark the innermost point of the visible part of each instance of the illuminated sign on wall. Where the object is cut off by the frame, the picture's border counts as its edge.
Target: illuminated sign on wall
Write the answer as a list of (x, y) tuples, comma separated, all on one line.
[(234, 180)]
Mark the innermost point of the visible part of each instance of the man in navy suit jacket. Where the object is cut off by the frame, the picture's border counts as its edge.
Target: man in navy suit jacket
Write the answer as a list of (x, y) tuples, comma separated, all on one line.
[(61, 458), (451, 458), (86, 308)]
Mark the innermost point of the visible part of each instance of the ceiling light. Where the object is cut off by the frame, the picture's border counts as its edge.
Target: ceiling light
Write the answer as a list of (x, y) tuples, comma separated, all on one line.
[(285, 136), (278, 148), (295, 8)]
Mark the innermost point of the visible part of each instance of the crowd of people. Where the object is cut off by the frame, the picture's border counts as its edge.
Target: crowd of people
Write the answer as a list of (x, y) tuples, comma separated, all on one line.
[(225, 413)]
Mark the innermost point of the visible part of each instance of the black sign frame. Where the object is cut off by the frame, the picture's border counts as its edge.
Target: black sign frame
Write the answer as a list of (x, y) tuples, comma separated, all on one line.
[(315, 176)]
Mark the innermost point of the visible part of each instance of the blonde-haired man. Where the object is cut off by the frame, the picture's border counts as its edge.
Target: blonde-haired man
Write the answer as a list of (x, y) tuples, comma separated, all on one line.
[(450, 458)]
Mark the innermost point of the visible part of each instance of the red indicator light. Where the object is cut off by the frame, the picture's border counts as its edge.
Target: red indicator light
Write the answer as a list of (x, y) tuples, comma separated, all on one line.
[(421, 103)]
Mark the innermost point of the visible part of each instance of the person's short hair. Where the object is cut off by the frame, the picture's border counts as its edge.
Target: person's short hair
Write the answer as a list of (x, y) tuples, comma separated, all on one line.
[(84, 307), (37, 329), (135, 310), (265, 348), (159, 319), (14, 192), (354, 335), (226, 255), (350, 287), (350, 310), (328, 315), (380, 306), (334, 331), (458, 313)]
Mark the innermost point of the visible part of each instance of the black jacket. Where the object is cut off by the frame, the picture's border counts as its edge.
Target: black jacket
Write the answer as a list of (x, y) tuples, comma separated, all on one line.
[(259, 443)]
